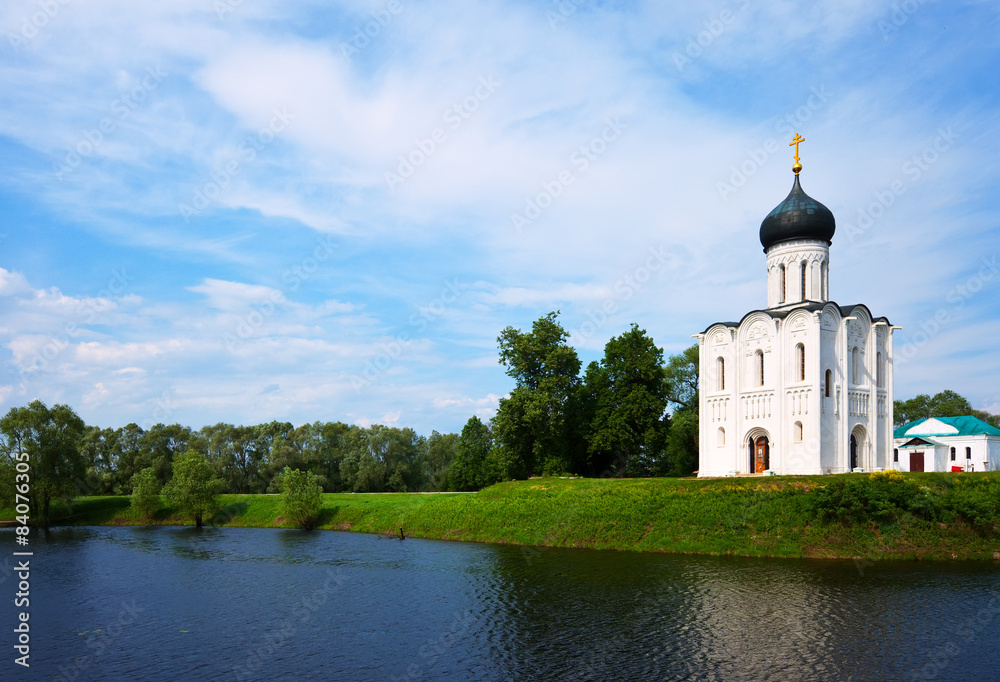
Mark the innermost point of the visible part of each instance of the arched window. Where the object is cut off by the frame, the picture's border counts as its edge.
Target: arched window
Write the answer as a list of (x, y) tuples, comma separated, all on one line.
[(803, 280), (895, 455), (855, 366), (829, 382), (720, 370), (781, 272), (760, 366), (800, 359), (798, 432), (722, 436), (879, 379), (953, 454), (968, 453)]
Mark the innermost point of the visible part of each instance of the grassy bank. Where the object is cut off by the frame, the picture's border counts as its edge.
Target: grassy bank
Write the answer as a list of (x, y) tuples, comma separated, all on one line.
[(946, 516)]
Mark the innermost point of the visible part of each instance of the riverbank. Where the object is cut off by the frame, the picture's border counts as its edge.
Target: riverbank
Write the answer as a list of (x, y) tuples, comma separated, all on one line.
[(950, 516)]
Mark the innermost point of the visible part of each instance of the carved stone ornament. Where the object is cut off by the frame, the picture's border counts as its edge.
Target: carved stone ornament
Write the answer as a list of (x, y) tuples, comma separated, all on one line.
[(758, 330)]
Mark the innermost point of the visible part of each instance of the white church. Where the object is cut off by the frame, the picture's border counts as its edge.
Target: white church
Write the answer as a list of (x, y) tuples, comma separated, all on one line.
[(803, 386)]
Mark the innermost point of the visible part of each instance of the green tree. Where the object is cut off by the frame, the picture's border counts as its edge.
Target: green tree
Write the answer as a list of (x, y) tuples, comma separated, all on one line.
[(470, 469), (682, 378), (51, 438), (194, 486), (943, 404), (145, 493), (682, 443), (628, 397), (435, 460), (532, 425), (301, 497)]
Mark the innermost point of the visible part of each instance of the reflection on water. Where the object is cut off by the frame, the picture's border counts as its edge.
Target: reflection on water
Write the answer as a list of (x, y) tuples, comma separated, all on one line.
[(229, 603)]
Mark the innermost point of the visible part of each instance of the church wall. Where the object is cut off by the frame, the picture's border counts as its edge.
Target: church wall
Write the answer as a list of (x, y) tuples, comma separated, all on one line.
[(801, 399), (831, 358), (717, 406), (791, 255), (993, 450)]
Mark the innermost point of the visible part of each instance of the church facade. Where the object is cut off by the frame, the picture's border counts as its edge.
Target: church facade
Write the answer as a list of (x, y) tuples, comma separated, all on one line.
[(803, 386)]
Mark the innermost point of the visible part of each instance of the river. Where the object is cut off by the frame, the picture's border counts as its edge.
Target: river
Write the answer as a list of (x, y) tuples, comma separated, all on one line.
[(171, 603)]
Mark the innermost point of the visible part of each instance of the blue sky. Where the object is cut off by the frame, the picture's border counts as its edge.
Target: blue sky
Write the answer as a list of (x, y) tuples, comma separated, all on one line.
[(225, 210)]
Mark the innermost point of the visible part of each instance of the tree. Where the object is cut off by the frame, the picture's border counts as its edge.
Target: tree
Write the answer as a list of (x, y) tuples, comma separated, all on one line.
[(682, 378), (438, 454), (628, 397), (301, 496), (51, 438), (943, 404), (145, 493), (470, 470), (682, 443), (194, 486), (532, 424)]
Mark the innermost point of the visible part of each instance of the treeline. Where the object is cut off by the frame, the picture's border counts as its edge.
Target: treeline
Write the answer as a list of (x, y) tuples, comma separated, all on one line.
[(612, 420), (943, 404), (247, 459), (630, 414)]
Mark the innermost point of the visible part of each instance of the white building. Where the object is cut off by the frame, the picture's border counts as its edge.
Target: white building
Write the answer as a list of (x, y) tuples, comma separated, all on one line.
[(946, 444), (803, 386)]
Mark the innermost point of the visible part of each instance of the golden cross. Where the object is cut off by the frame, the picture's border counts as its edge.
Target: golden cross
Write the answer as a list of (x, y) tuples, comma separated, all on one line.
[(795, 141)]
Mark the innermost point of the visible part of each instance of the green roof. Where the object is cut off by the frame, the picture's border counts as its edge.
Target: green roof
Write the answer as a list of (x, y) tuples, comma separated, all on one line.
[(967, 426)]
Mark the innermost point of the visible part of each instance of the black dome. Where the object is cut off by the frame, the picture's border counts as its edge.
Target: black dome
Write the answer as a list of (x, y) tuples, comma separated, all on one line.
[(799, 216)]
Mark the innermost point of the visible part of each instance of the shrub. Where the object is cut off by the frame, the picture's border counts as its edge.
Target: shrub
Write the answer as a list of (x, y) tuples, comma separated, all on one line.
[(301, 497), (145, 493), (194, 487), (880, 497)]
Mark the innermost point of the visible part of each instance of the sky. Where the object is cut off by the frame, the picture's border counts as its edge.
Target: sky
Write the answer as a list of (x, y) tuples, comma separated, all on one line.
[(238, 210)]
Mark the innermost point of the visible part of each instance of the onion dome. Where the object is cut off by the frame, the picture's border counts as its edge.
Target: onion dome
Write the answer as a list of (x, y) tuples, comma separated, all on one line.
[(799, 216)]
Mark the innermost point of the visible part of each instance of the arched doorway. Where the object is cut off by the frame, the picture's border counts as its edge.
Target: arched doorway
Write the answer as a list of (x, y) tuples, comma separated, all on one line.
[(858, 455), (760, 454)]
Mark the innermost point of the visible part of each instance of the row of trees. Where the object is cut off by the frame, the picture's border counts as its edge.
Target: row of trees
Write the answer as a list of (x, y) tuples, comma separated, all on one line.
[(629, 414), (632, 413), (943, 404)]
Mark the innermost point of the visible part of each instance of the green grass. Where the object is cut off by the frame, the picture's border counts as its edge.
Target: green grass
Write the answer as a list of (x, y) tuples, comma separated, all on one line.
[(745, 517)]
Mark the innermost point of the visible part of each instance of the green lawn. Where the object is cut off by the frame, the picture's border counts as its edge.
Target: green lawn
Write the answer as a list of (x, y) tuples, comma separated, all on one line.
[(745, 516)]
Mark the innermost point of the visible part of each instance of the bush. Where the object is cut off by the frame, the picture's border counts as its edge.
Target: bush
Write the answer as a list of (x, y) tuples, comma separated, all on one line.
[(194, 487), (145, 493), (301, 497), (880, 497)]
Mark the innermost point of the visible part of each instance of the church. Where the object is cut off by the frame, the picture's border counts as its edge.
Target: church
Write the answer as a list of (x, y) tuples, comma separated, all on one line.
[(803, 386)]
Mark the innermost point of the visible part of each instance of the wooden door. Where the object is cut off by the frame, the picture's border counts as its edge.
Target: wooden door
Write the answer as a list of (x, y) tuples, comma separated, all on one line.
[(761, 455), (916, 461)]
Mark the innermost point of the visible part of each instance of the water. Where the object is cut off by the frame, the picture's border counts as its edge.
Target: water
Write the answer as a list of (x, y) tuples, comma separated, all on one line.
[(257, 604)]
